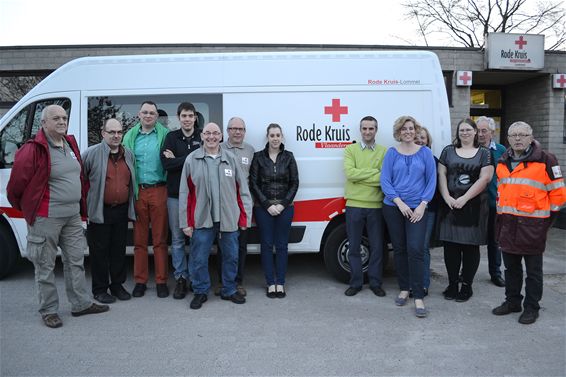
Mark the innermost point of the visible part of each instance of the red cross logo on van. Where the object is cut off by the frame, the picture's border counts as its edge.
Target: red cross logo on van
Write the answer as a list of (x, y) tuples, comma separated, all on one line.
[(520, 42), (336, 110)]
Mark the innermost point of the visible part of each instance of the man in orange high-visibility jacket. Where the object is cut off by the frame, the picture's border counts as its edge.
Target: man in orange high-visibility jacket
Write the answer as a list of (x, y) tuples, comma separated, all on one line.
[(530, 192)]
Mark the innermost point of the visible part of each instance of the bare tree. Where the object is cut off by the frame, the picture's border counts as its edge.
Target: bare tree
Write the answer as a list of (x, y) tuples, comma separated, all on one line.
[(467, 22)]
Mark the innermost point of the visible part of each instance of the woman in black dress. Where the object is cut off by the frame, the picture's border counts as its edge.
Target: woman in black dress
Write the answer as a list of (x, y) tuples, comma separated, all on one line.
[(464, 170)]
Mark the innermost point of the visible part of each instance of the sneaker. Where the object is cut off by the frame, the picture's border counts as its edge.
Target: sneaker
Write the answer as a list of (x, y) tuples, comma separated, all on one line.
[(162, 290), (139, 290), (280, 291), (52, 320), (271, 292), (241, 290), (180, 289), (198, 300), (465, 293), (236, 298), (528, 317), (506, 308), (104, 298), (120, 293), (92, 309)]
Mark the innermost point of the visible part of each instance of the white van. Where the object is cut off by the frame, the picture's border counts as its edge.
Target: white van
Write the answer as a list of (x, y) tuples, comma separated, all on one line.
[(317, 97)]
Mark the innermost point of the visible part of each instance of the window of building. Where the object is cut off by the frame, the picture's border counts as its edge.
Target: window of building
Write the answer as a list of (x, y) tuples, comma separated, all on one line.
[(488, 102)]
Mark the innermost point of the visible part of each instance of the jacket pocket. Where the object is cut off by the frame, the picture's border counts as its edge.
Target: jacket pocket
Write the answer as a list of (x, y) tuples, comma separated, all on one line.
[(526, 201), (35, 246)]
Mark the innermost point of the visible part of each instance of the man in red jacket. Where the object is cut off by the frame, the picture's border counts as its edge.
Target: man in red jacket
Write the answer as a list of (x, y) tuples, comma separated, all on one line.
[(47, 185)]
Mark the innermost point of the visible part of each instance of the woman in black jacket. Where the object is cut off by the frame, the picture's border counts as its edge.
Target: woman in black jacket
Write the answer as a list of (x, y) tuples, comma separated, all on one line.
[(274, 180)]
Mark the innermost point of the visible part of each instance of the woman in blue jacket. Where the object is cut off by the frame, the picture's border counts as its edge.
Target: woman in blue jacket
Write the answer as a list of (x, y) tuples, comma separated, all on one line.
[(408, 180)]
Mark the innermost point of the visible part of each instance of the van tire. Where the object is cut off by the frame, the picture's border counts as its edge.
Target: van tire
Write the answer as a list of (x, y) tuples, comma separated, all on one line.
[(336, 253), (9, 252)]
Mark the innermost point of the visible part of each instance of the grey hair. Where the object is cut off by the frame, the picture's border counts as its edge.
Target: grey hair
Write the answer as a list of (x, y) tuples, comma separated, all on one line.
[(520, 124), (490, 122), (236, 118)]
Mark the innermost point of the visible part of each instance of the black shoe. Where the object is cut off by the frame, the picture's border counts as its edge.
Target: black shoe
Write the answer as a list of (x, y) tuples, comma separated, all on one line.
[(198, 300), (528, 317), (120, 293), (270, 291), (465, 293), (506, 308), (139, 290), (180, 289), (498, 281), (162, 290), (104, 298), (425, 292), (378, 291), (451, 291), (352, 291), (236, 298), (280, 291), (52, 320), (92, 309)]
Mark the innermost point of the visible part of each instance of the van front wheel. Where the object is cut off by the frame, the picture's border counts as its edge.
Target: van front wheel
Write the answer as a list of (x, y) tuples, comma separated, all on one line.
[(9, 252), (336, 253)]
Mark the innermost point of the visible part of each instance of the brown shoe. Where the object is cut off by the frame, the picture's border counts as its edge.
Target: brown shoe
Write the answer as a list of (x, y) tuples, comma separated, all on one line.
[(241, 290), (92, 309), (217, 290), (52, 320)]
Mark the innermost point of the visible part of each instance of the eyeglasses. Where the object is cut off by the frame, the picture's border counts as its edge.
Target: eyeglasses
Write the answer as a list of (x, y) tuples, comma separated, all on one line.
[(236, 129), (113, 132), (208, 133), (520, 136), (151, 113)]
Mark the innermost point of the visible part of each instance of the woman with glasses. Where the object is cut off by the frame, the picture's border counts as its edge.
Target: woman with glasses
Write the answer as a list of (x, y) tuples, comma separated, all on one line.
[(464, 170), (274, 181)]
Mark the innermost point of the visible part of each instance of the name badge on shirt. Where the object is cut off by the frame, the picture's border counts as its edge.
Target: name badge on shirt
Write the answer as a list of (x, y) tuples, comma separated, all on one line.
[(245, 161), (556, 171), (73, 155), (228, 172)]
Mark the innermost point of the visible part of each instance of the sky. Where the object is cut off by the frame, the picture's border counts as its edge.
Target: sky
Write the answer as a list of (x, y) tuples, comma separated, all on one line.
[(72, 22)]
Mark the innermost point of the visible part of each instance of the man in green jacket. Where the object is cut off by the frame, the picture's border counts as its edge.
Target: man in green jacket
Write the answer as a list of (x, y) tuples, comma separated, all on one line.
[(145, 140), (364, 199)]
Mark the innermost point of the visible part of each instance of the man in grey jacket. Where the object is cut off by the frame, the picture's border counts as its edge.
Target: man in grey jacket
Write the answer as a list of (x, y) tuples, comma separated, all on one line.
[(213, 197), (109, 168)]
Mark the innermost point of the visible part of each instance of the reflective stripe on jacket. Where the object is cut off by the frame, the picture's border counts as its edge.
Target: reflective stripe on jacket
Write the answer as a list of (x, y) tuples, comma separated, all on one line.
[(527, 196)]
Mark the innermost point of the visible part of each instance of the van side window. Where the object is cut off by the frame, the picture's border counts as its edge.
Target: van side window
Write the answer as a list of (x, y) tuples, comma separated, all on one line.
[(125, 109), (23, 126)]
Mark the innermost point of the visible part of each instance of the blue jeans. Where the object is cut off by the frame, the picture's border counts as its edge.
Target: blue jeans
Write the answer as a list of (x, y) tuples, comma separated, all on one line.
[(430, 218), (274, 231), (493, 250), (201, 243), (178, 252), (407, 239), (372, 220)]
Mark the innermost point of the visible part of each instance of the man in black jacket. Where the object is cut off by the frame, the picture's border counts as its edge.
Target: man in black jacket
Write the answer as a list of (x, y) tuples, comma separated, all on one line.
[(177, 146)]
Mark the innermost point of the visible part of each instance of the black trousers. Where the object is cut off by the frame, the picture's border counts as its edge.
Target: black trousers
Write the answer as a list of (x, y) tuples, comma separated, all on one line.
[(242, 252), (514, 280), (466, 256), (107, 249)]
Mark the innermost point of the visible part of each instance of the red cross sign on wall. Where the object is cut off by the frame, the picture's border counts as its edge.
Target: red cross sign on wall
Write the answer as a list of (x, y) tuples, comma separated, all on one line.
[(559, 81), (520, 42), (336, 110), (464, 78)]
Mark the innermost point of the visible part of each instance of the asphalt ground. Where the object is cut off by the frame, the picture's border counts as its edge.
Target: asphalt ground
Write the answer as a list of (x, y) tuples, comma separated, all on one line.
[(315, 331)]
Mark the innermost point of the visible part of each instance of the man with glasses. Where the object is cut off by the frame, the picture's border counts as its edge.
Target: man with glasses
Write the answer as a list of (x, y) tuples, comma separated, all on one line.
[(244, 153), (486, 131), (213, 197), (531, 191), (177, 146), (145, 139), (47, 184), (109, 168)]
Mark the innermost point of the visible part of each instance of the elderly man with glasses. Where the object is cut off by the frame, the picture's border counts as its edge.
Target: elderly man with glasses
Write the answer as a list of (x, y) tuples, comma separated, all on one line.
[(530, 193)]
